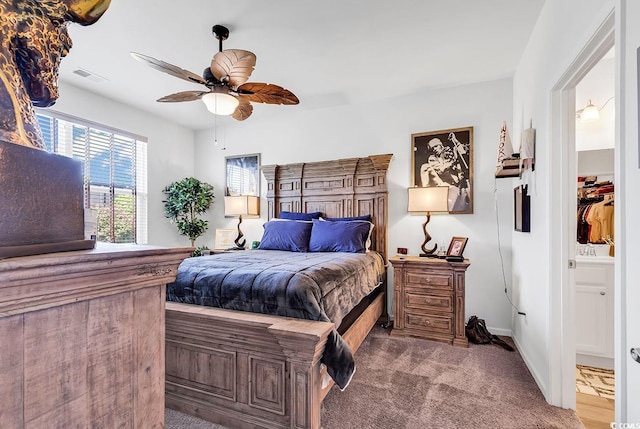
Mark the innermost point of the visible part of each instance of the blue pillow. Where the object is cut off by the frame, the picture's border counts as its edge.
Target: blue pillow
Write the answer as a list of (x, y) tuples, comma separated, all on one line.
[(299, 216), (345, 219), (286, 235), (339, 236)]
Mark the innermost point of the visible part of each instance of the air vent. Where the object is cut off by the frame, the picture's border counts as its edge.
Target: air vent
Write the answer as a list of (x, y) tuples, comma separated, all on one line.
[(89, 75)]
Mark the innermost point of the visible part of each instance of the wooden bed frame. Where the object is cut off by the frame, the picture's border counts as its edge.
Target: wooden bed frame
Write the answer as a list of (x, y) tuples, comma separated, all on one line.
[(247, 370)]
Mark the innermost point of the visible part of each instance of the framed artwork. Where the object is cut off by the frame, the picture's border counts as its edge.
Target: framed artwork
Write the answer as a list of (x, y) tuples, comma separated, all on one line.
[(224, 238), (243, 175), (456, 247), (445, 158), (521, 209)]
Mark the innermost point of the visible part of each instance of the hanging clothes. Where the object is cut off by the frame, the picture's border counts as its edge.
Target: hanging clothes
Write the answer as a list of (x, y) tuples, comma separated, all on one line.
[(595, 217)]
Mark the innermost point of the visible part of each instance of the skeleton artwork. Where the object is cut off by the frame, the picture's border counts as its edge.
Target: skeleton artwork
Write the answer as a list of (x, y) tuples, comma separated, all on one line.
[(34, 40)]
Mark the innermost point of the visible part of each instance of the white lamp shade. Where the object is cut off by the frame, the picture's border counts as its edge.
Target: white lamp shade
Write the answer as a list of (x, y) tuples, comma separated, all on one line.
[(242, 205), (428, 200), (220, 103), (590, 113)]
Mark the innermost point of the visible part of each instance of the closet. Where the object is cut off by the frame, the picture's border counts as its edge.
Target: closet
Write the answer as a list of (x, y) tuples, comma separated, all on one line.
[(595, 231), (595, 220), (594, 275)]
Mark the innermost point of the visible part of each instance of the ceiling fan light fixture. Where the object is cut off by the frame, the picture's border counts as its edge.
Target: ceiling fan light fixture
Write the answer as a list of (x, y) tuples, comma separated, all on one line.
[(220, 103)]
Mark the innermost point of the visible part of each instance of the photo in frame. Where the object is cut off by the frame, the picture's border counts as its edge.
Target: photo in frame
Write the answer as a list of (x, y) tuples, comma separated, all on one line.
[(456, 247), (224, 238), (521, 209), (445, 158), (242, 175)]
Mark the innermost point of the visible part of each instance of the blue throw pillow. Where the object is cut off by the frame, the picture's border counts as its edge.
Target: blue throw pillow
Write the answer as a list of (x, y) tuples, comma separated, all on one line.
[(345, 219), (299, 216), (286, 235), (339, 236)]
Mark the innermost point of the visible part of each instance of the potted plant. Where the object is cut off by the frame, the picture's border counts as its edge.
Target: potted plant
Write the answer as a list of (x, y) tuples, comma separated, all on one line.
[(187, 199)]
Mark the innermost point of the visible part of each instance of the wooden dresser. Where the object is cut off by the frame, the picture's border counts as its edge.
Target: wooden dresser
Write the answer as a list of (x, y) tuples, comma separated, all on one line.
[(429, 299), (82, 337)]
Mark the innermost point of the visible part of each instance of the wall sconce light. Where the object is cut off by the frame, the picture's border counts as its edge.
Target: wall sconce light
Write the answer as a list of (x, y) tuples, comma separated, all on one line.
[(427, 200), (241, 205), (591, 113)]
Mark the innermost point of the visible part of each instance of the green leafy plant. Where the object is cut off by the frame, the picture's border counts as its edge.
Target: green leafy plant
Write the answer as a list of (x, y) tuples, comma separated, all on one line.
[(199, 251), (186, 200)]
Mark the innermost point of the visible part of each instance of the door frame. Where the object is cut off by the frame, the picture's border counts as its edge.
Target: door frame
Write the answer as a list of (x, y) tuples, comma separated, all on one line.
[(563, 158)]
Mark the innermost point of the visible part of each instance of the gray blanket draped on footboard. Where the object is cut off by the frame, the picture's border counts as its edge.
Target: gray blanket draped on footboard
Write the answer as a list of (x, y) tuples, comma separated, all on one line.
[(322, 286)]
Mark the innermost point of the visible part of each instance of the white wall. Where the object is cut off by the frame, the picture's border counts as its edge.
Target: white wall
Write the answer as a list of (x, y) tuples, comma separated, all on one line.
[(298, 135), (170, 150), (598, 86), (562, 30), (599, 162)]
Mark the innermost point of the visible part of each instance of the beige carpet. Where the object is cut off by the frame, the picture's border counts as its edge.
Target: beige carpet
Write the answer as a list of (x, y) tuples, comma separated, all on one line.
[(595, 381), (407, 383)]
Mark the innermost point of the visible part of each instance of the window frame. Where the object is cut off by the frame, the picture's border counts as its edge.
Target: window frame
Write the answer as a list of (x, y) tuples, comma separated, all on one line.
[(114, 136)]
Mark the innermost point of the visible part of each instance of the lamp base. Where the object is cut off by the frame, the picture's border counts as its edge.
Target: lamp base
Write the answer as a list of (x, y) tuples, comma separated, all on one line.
[(429, 255)]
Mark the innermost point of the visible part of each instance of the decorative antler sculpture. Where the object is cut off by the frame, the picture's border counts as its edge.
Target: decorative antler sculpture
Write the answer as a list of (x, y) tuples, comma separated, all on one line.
[(34, 40)]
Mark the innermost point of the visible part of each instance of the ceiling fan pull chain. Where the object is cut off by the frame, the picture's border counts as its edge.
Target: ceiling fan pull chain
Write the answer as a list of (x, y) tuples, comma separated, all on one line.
[(215, 130)]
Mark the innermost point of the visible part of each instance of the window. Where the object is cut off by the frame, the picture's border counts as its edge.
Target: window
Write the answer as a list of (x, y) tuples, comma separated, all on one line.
[(115, 173)]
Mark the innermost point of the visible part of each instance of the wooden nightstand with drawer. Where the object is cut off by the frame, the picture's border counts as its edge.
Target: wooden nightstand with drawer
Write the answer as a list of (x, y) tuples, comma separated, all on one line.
[(429, 299)]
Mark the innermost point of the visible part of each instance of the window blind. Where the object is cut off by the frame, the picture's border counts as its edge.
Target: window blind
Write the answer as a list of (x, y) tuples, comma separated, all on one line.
[(115, 173)]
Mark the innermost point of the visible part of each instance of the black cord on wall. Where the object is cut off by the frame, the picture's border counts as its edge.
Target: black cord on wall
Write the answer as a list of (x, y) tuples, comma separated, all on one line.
[(504, 277)]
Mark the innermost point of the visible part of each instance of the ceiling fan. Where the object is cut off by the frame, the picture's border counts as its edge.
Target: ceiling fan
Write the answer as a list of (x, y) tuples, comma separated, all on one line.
[(228, 92)]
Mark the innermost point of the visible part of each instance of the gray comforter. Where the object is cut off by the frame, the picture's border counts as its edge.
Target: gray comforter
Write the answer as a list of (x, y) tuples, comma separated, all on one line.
[(315, 286)]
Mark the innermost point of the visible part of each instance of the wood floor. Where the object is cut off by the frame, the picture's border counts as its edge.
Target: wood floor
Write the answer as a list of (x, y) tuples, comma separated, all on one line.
[(595, 412)]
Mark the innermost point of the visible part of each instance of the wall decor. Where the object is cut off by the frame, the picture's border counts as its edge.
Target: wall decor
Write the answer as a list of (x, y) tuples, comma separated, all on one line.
[(445, 158), (224, 238), (456, 247), (521, 209), (528, 149), (243, 175)]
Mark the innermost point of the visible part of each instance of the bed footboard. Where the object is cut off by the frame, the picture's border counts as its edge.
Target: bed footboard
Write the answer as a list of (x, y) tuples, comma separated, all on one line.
[(243, 369)]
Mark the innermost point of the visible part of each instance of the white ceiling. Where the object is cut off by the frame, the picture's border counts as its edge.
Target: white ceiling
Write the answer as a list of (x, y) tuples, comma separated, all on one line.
[(327, 53)]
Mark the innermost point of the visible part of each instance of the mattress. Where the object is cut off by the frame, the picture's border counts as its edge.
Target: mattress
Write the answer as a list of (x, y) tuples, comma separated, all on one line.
[(322, 286)]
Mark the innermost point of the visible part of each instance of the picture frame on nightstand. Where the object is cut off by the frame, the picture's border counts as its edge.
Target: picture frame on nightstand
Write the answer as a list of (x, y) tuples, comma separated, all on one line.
[(456, 248), (224, 238)]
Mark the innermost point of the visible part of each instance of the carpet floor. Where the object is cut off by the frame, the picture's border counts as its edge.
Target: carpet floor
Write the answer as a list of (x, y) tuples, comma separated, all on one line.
[(417, 384)]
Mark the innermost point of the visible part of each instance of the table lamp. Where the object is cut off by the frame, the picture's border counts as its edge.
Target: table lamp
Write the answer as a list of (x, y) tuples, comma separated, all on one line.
[(427, 200), (241, 205)]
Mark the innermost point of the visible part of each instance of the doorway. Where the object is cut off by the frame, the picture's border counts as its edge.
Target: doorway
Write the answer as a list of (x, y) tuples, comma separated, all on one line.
[(563, 251), (594, 272)]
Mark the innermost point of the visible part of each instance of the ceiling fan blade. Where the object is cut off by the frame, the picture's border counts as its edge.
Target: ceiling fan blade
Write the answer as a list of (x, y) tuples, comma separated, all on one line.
[(183, 96), (243, 111), (233, 66), (168, 68), (266, 93)]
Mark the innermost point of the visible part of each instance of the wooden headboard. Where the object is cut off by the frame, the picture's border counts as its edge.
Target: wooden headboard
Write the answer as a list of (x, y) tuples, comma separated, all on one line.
[(338, 188)]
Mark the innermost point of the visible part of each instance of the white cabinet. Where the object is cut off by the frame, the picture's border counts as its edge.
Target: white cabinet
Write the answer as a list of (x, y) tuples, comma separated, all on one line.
[(594, 307)]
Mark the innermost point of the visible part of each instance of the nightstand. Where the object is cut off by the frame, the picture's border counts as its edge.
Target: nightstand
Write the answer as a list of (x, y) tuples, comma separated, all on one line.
[(429, 299), (219, 251)]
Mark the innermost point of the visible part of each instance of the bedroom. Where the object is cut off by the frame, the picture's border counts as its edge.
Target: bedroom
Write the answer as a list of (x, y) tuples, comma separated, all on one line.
[(338, 125)]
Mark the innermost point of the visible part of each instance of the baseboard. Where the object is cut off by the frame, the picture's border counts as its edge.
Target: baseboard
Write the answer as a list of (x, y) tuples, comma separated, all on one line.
[(536, 376), (500, 332), (595, 361)]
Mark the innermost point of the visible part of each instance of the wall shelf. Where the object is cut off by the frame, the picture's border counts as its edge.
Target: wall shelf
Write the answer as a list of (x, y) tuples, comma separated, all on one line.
[(510, 168)]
